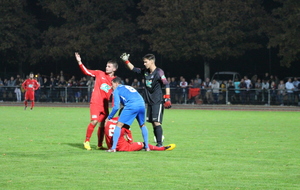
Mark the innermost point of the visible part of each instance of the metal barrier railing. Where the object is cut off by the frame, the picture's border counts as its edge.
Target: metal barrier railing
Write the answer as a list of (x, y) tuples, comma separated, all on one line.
[(201, 96)]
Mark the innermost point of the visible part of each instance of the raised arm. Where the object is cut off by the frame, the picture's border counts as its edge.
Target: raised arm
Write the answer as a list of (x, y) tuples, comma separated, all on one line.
[(83, 68), (78, 58), (125, 58)]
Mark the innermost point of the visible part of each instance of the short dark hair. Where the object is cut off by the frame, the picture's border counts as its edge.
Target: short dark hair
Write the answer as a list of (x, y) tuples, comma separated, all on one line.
[(117, 80), (31, 73), (115, 64), (149, 57)]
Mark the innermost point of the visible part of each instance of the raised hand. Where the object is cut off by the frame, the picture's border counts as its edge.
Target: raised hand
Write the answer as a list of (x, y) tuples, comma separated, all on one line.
[(77, 56), (125, 57)]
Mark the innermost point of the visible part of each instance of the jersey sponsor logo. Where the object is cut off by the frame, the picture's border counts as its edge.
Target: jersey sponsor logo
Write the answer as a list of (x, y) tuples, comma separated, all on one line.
[(149, 83), (105, 87), (30, 85), (94, 116)]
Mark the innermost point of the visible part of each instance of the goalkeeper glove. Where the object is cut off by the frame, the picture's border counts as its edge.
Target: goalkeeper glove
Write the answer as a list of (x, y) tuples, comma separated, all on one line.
[(167, 100), (125, 57)]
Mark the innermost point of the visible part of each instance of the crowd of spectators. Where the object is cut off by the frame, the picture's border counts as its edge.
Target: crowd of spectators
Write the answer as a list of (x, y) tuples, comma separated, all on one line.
[(57, 88), (255, 90), (264, 90)]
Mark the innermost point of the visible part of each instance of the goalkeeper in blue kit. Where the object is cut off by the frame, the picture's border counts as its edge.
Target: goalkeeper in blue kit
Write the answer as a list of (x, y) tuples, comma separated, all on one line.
[(155, 80), (134, 108)]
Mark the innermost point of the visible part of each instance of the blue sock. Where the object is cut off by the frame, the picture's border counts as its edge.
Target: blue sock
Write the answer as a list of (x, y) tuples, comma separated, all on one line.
[(145, 135), (116, 137)]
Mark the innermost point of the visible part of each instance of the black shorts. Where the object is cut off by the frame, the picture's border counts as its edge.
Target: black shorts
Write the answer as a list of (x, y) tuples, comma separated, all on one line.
[(155, 113)]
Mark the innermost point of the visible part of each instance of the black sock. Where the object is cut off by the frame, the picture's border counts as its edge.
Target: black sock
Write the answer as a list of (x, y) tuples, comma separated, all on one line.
[(158, 132)]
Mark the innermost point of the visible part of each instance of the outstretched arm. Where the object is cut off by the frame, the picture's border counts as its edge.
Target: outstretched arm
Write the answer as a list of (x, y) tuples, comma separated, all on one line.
[(116, 104)]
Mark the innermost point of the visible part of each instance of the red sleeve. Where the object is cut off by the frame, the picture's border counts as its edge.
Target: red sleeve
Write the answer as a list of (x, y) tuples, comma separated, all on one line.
[(128, 135), (109, 131), (87, 71)]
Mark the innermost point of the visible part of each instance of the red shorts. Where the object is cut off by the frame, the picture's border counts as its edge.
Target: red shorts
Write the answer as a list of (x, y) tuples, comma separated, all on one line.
[(136, 146), (98, 112), (29, 95)]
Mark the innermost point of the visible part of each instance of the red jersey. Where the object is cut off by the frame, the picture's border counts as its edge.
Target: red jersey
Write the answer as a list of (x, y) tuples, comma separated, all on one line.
[(102, 88), (125, 142), (30, 85), (125, 135)]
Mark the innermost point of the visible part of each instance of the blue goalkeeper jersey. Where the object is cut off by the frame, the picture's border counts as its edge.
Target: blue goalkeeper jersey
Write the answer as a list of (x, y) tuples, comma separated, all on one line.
[(128, 96)]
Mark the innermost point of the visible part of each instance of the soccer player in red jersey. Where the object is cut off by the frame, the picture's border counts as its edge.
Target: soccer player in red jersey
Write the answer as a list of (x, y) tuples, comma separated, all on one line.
[(30, 85), (125, 142), (99, 99)]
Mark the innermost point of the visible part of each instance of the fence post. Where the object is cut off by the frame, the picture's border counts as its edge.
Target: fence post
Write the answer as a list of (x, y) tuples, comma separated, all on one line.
[(269, 97), (66, 94), (226, 102)]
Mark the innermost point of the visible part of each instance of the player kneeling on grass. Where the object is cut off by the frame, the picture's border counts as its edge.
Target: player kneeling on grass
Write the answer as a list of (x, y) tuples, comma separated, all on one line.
[(133, 108), (125, 142)]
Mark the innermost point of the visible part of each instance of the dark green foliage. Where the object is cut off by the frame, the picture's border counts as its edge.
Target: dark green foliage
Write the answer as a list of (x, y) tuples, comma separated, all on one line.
[(286, 31), (97, 29), (47, 31), (18, 32), (209, 29)]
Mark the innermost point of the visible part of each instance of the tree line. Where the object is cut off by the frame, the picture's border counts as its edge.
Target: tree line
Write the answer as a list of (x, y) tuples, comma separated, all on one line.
[(36, 31)]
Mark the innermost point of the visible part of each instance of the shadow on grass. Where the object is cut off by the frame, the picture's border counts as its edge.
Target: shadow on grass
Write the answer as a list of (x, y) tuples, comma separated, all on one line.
[(76, 145)]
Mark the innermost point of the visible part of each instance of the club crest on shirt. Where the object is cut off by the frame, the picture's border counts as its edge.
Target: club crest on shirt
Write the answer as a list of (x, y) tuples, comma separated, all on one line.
[(105, 87), (149, 83)]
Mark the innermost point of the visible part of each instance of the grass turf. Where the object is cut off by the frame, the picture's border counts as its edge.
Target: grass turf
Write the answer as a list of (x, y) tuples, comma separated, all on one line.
[(42, 149)]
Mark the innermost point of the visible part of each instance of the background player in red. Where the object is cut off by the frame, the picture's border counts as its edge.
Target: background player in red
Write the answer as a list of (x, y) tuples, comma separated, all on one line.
[(125, 142), (30, 85), (99, 99)]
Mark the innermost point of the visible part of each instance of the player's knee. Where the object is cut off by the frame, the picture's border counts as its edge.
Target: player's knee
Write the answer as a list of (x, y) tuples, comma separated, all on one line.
[(94, 122), (156, 124), (119, 124)]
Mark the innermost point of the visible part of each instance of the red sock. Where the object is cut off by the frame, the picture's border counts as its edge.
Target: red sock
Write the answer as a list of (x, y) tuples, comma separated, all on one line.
[(32, 104), (25, 102), (89, 131), (100, 135), (152, 147)]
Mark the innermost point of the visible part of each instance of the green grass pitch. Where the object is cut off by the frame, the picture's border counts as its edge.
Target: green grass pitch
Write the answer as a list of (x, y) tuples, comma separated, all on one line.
[(42, 149)]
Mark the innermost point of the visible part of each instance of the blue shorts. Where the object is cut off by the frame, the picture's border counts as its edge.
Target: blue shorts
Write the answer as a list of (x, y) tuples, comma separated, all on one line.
[(129, 114)]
